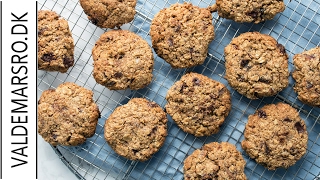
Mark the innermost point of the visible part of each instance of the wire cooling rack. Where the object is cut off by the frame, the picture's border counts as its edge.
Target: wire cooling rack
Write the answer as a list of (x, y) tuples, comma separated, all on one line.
[(297, 28)]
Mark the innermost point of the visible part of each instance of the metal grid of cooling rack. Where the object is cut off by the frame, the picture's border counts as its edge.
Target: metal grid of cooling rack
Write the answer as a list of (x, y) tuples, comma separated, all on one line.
[(297, 28)]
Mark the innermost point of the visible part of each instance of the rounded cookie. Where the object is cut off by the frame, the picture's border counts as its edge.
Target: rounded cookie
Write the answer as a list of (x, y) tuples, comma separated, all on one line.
[(181, 34), (307, 76), (248, 10), (275, 136), (109, 13), (137, 129), (256, 65), (55, 42), (215, 161), (67, 115), (122, 60), (198, 104)]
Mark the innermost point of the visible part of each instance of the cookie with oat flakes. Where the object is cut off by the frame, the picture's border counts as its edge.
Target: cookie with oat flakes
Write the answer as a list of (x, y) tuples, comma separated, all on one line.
[(137, 129), (248, 10), (67, 115), (256, 65), (181, 34), (198, 104), (122, 60), (307, 76), (109, 13), (55, 42), (275, 136), (215, 161)]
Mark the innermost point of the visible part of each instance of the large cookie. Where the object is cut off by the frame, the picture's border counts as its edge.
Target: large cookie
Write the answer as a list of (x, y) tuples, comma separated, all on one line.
[(215, 161), (307, 76), (109, 13), (137, 129), (68, 115), (275, 136), (256, 65), (181, 34), (122, 60), (55, 42), (198, 104), (248, 10)]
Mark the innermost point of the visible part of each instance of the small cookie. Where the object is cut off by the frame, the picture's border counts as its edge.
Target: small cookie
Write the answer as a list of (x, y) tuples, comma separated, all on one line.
[(198, 104), (307, 76), (68, 115), (215, 161), (248, 10), (181, 34), (256, 65), (109, 13), (275, 136), (137, 129), (55, 42), (122, 60)]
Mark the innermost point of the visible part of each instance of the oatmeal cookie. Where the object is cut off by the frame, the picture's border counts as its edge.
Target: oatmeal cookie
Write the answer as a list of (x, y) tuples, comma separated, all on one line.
[(256, 65), (67, 115), (181, 34), (55, 42), (122, 60), (248, 10), (198, 104), (307, 76), (275, 136), (137, 129), (109, 13), (215, 161)]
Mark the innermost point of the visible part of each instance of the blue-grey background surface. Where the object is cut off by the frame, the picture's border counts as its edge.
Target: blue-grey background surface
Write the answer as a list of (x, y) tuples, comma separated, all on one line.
[(297, 28)]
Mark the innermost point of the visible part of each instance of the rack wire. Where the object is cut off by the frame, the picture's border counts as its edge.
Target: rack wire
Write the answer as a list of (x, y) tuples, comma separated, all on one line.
[(297, 28)]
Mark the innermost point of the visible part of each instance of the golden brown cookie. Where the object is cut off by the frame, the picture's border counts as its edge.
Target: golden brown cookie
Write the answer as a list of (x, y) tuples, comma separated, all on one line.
[(275, 136), (137, 129), (67, 115), (256, 65), (181, 34), (109, 13), (198, 104), (248, 10), (307, 76), (55, 42), (215, 161), (122, 60)]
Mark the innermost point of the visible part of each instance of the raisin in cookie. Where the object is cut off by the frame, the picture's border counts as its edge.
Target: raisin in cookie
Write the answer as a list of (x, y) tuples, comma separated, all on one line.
[(137, 129), (68, 115), (215, 161), (275, 136), (248, 10), (109, 13), (55, 42), (122, 60), (181, 34), (198, 104), (256, 65), (307, 76)]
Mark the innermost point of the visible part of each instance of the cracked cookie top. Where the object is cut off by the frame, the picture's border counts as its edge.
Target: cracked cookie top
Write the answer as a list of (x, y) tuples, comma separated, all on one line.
[(55, 42), (109, 13), (122, 60), (198, 104), (215, 161), (137, 129), (275, 136), (256, 65), (67, 115), (181, 34), (307, 76)]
